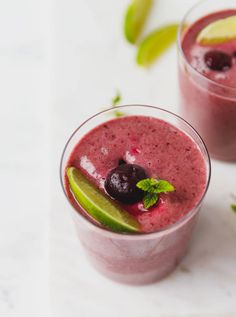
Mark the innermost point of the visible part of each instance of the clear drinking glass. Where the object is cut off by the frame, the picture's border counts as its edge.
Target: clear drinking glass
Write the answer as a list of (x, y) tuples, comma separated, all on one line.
[(135, 258), (209, 106)]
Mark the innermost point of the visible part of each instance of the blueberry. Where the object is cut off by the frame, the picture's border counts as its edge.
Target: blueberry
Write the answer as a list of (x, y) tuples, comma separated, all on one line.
[(121, 183), (217, 60)]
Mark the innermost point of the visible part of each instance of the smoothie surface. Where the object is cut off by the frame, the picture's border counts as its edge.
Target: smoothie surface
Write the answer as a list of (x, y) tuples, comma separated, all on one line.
[(162, 150), (195, 52)]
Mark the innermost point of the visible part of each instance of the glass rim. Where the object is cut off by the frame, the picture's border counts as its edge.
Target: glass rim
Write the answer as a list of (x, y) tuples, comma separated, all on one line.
[(180, 49), (135, 236)]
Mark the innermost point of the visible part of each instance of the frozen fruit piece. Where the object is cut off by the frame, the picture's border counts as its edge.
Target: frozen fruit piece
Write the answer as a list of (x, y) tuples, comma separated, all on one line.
[(217, 60), (121, 183)]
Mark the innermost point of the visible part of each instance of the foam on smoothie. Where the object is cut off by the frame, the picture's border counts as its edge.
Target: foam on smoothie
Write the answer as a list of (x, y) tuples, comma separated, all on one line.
[(161, 149)]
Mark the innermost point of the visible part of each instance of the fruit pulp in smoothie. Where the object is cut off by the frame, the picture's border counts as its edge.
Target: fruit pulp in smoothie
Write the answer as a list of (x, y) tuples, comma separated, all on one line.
[(209, 102), (162, 150)]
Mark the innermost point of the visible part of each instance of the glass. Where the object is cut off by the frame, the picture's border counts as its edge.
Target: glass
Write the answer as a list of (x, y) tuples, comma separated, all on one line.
[(209, 106), (139, 258)]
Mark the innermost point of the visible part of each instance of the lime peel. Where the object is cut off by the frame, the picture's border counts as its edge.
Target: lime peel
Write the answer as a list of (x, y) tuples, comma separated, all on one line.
[(135, 18), (217, 32), (155, 44), (99, 206)]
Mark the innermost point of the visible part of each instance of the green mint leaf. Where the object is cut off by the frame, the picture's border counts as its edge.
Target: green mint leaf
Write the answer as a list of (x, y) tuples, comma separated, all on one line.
[(147, 184), (149, 200), (152, 185), (163, 186), (152, 188), (116, 99), (233, 208), (118, 114)]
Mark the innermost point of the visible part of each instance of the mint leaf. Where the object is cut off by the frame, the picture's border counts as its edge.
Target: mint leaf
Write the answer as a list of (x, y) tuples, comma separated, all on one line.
[(153, 188), (149, 200), (116, 99), (163, 186), (152, 185), (118, 114), (147, 184), (233, 208)]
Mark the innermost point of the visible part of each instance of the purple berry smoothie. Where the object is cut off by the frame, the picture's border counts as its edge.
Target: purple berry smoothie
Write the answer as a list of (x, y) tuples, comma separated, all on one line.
[(153, 142), (208, 96), (162, 150)]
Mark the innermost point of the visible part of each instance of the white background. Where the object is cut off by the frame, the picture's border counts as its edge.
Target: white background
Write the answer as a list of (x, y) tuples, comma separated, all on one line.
[(62, 61)]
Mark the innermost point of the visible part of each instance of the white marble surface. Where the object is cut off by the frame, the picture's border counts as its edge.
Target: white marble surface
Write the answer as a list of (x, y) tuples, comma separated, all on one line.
[(24, 101), (61, 61), (92, 60)]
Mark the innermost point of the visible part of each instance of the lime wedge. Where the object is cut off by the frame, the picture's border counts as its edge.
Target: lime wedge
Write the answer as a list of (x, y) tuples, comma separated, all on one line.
[(99, 206), (217, 32), (155, 44), (135, 18)]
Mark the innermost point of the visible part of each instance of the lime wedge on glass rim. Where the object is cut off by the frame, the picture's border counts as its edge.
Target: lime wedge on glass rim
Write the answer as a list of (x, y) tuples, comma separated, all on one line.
[(135, 19), (156, 43), (100, 207), (219, 31)]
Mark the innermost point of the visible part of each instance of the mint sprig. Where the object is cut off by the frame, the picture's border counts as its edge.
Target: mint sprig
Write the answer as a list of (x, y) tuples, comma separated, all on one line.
[(149, 200), (116, 99), (115, 102), (152, 188)]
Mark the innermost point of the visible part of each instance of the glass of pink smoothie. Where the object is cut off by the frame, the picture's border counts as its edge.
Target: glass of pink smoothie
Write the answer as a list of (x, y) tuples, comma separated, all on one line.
[(167, 147), (207, 79)]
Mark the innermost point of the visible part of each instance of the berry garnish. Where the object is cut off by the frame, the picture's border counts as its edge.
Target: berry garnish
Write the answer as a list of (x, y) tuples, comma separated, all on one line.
[(234, 54), (217, 60), (121, 183), (121, 162)]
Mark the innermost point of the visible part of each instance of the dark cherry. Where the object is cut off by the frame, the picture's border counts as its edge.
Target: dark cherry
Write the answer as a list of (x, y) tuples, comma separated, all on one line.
[(217, 60), (234, 54), (121, 162), (121, 183)]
